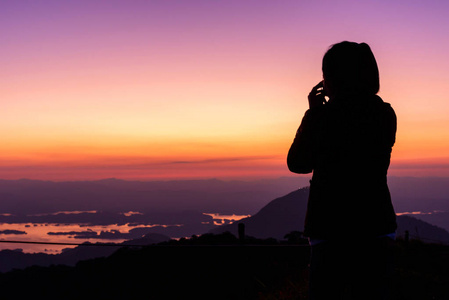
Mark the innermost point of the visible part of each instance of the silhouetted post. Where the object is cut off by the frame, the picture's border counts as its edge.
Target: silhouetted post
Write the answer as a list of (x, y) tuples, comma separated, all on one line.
[(406, 237), (241, 227)]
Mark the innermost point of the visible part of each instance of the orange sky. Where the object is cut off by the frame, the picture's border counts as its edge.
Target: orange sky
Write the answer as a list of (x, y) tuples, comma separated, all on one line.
[(157, 90)]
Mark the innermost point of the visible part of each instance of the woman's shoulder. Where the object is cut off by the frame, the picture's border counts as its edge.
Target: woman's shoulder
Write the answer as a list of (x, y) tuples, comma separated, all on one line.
[(381, 101), (386, 107)]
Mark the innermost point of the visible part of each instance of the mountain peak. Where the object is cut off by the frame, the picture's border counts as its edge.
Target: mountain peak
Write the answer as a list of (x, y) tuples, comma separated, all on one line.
[(286, 214)]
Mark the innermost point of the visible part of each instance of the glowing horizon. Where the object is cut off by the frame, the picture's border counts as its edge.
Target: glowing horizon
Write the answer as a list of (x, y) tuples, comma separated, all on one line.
[(158, 90)]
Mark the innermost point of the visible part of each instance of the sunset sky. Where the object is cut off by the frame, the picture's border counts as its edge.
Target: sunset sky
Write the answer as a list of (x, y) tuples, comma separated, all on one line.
[(197, 89)]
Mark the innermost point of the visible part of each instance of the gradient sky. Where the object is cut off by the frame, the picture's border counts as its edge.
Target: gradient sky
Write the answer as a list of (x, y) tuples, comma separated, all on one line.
[(195, 89)]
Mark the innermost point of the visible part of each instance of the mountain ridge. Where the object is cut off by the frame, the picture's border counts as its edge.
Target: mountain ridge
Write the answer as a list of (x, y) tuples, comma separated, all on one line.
[(286, 214)]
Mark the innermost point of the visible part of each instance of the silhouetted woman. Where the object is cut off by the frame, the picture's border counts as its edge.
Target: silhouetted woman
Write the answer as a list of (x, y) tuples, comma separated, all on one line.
[(347, 142)]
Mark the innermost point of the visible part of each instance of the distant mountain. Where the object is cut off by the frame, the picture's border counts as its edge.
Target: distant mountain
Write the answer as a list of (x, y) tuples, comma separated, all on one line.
[(286, 214), (24, 197), (421, 230), (276, 219), (438, 218)]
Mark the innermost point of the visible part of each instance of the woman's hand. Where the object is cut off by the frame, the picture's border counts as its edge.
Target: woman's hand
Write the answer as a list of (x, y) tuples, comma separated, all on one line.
[(316, 96)]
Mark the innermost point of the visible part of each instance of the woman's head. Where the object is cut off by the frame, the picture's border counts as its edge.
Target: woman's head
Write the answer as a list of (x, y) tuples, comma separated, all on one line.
[(350, 68)]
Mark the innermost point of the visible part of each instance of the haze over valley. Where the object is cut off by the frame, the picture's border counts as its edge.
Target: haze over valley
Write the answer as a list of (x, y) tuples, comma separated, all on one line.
[(113, 210)]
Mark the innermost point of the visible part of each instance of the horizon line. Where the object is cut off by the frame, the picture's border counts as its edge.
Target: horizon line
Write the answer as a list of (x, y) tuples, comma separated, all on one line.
[(296, 176)]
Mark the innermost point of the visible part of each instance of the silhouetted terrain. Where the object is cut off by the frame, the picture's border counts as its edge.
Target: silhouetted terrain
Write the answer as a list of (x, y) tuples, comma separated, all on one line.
[(13, 259), (287, 213), (215, 267), (280, 216), (440, 219)]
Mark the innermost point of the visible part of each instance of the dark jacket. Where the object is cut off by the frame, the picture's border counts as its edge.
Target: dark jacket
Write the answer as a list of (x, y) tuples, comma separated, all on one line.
[(347, 144)]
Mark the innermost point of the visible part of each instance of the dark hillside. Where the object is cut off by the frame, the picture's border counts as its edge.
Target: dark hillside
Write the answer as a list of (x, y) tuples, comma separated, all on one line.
[(277, 218), (215, 267), (286, 214)]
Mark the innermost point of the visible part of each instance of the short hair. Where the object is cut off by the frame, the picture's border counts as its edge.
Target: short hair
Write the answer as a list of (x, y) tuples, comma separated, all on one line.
[(352, 68)]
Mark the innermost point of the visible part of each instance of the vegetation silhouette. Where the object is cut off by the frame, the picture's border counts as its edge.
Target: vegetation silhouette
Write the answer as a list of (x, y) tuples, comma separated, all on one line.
[(217, 267), (202, 267)]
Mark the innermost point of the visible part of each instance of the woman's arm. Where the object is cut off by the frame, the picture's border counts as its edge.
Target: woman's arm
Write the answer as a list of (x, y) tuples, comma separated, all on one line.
[(300, 155)]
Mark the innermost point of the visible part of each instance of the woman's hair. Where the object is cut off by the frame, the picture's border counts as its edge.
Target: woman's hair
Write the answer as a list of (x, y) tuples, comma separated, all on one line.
[(350, 68)]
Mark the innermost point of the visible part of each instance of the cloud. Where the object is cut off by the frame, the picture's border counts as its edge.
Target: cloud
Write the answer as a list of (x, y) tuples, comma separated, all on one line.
[(409, 166), (8, 231), (223, 159), (89, 234), (127, 162), (131, 213), (420, 213), (75, 212)]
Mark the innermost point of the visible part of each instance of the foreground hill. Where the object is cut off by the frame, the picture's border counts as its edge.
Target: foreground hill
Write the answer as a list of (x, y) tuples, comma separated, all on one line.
[(286, 214), (215, 267), (14, 259)]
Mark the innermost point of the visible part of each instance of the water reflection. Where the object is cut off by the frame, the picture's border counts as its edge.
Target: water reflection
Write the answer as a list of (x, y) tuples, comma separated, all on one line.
[(99, 226), (222, 219), (62, 233), (420, 213)]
